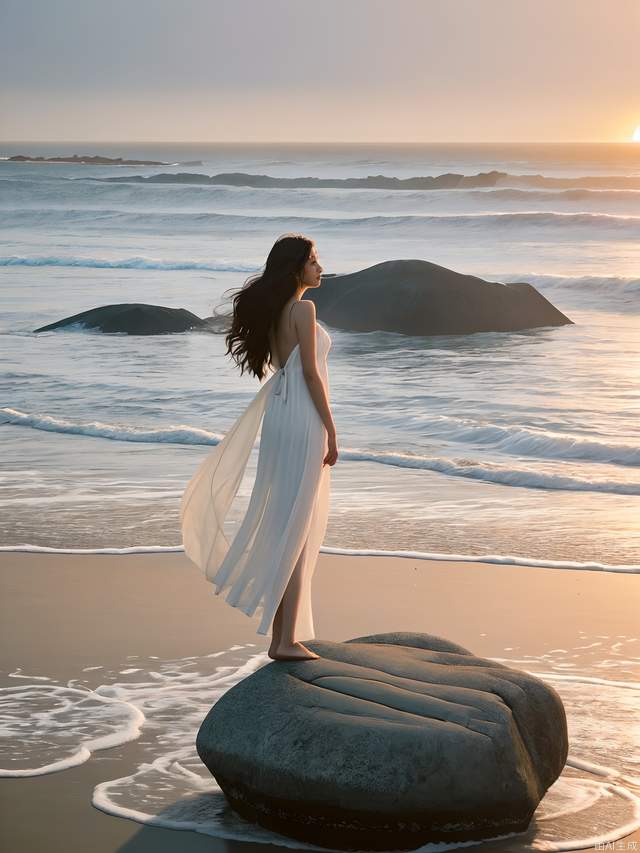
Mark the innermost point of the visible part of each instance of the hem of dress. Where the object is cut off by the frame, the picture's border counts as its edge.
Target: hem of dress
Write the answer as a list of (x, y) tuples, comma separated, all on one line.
[(246, 611), (265, 632)]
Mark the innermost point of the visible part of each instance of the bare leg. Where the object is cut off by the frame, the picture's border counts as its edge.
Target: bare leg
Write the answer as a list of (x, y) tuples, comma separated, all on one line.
[(276, 628), (282, 645)]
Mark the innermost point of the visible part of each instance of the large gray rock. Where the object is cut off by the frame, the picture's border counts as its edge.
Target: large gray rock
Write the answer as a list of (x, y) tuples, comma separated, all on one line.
[(132, 318), (386, 742), (420, 298)]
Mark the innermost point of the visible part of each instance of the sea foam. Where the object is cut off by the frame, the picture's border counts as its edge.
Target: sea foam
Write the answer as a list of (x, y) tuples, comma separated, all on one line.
[(495, 559), (137, 263)]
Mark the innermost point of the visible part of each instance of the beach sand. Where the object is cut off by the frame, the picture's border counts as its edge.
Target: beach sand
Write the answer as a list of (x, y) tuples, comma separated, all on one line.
[(61, 613)]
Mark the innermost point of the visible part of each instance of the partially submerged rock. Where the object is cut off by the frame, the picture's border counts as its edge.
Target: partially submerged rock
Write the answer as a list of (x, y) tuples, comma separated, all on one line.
[(386, 742), (417, 297), (135, 318)]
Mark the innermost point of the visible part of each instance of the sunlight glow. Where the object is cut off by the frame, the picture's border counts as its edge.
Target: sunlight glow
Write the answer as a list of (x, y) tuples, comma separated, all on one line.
[(636, 134)]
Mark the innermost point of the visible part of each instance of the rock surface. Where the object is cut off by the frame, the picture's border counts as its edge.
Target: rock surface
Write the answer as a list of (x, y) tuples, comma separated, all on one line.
[(132, 318), (386, 742), (420, 298)]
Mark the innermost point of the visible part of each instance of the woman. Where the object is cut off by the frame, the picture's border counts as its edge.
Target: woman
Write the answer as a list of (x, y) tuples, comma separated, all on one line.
[(269, 565)]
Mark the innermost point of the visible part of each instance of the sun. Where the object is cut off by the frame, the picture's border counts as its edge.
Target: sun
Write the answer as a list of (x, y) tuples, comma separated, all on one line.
[(636, 134)]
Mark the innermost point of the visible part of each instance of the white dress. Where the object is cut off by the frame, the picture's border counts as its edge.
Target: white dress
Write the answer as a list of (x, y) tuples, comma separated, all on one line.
[(288, 508)]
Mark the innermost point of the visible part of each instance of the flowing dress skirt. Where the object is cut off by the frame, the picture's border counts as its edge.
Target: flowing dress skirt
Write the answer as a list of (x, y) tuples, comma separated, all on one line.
[(286, 517)]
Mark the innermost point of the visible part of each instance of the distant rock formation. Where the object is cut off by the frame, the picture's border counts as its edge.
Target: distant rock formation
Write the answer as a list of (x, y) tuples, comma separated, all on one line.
[(386, 742), (133, 319), (420, 298), (450, 180), (85, 159)]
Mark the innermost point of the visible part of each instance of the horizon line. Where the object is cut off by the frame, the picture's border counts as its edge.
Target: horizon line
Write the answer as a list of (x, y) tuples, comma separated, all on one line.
[(322, 142)]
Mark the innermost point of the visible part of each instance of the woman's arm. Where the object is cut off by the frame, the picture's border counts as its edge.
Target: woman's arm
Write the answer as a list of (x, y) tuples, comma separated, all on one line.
[(304, 320)]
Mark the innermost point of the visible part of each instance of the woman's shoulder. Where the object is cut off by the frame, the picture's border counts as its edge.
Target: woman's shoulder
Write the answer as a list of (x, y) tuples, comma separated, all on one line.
[(306, 306), (304, 315)]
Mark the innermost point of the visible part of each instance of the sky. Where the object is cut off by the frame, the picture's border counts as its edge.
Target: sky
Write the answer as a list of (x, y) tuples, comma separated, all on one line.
[(321, 71)]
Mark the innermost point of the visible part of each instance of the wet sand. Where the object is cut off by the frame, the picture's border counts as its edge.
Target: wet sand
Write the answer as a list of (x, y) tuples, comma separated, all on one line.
[(60, 613)]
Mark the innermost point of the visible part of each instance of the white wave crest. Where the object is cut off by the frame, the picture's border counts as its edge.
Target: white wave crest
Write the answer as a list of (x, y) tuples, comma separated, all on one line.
[(167, 435), (550, 445), (488, 472), (492, 472), (123, 263), (497, 559), (590, 225)]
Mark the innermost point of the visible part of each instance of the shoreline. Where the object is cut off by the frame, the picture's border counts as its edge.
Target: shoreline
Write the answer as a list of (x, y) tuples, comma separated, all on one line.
[(486, 559), (62, 613)]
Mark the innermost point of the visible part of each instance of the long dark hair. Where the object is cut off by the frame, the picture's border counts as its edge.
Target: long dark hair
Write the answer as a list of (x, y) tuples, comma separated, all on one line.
[(259, 303)]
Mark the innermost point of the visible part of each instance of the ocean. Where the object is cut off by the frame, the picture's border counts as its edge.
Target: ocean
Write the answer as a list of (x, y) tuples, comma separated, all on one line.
[(520, 448), (522, 445)]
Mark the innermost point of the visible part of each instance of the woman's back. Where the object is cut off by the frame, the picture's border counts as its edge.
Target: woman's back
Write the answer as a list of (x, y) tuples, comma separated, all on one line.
[(285, 337)]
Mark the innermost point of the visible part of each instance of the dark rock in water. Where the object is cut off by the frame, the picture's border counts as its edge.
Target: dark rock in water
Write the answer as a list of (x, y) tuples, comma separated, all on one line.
[(218, 324), (420, 298), (133, 318), (386, 742)]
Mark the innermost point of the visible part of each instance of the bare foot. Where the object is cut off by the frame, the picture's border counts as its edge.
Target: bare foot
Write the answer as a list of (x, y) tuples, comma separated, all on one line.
[(295, 651)]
